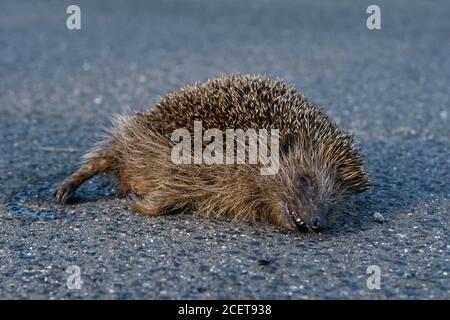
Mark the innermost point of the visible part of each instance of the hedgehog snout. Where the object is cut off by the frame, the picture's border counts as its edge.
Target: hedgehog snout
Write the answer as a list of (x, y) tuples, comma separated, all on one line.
[(318, 221), (314, 220)]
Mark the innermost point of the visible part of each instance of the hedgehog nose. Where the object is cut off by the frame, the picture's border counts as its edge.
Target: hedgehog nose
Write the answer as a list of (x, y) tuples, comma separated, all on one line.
[(318, 223)]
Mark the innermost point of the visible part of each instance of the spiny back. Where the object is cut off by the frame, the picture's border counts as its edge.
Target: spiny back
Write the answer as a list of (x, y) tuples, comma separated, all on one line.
[(235, 101), (243, 102)]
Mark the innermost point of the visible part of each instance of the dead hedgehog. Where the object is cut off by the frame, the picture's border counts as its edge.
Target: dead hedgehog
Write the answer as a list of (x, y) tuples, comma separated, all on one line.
[(320, 168)]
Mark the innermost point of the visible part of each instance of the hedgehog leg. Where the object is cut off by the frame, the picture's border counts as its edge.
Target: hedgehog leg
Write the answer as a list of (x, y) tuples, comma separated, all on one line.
[(65, 191)]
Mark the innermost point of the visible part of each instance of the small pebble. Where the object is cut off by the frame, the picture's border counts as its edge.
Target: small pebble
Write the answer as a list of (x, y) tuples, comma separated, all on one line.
[(378, 217), (98, 100)]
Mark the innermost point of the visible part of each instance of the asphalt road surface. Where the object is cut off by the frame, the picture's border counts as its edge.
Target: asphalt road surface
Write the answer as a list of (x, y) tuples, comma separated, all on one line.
[(58, 88)]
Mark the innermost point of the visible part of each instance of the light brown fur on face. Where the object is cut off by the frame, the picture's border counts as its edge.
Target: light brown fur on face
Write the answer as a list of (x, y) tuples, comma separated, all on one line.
[(320, 168)]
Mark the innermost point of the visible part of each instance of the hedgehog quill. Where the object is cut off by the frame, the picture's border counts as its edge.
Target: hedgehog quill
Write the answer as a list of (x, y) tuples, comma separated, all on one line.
[(320, 168)]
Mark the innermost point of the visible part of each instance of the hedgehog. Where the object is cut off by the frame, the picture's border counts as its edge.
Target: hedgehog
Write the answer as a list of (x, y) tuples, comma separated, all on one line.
[(320, 167)]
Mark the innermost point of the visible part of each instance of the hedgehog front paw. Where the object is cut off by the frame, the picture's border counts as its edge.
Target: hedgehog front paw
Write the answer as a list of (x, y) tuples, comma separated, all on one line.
[(64, 193)]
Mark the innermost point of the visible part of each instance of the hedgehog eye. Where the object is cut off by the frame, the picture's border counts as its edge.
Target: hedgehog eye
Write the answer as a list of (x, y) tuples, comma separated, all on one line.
[(303, 182)]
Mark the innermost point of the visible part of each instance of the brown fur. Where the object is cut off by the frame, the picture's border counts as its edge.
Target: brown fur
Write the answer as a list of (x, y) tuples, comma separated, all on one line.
[(320, 168)]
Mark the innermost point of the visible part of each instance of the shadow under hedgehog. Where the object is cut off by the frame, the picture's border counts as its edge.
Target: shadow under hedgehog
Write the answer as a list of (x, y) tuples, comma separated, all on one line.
[(320, 169)]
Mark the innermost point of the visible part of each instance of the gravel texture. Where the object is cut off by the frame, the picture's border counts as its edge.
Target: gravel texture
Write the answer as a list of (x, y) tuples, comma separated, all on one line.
[(59, 87)]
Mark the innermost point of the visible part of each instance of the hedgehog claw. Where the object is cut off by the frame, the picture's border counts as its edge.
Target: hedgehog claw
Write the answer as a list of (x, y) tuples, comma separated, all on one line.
[(63, 193)]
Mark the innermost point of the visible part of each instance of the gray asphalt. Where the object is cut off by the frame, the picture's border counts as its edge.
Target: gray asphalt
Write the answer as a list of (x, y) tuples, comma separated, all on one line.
[(58, 88)]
